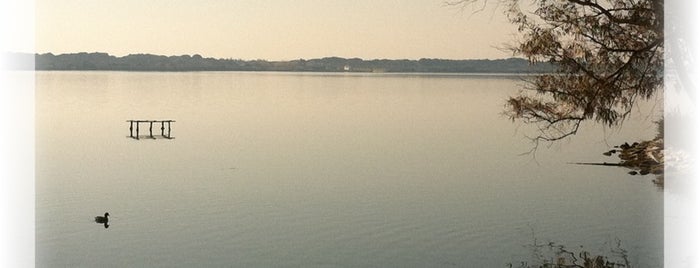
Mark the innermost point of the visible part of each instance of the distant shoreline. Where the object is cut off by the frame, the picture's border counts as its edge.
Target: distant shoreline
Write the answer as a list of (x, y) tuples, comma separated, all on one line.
[(433, 74), (185, 63)]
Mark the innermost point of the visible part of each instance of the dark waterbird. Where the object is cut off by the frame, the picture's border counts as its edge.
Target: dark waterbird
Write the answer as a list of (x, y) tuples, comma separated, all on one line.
[(104, 220)]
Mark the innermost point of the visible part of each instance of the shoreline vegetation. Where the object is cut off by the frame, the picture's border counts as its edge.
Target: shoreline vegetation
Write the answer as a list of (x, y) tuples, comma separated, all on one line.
[(149, 62), (554, 255), (644, 157)]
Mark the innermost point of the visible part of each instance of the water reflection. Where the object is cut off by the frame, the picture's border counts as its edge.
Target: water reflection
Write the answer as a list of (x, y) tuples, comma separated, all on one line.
[(346, 170)]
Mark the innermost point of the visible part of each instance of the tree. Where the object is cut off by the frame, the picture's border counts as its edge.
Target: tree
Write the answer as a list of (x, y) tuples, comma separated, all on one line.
[(609, 54)]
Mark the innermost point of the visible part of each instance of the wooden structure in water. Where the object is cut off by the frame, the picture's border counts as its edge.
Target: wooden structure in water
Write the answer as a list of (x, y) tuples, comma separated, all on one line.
[(150, 128)]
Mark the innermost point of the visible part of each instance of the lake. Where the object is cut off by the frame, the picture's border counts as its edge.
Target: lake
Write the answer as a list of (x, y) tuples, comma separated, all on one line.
[(323, 170)]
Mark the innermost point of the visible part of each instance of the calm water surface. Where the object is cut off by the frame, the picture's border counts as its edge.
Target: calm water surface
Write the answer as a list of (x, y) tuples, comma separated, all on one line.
[(321, 170)]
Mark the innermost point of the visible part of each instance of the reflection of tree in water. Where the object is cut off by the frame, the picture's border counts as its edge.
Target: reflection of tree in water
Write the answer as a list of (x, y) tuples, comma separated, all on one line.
[(552, 255)]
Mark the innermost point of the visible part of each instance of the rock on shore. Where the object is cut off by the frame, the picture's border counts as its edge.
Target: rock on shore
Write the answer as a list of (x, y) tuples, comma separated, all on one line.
[(646, 157)]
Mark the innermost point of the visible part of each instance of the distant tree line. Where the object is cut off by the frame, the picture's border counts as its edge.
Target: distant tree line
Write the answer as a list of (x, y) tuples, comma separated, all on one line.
[(149, 62)]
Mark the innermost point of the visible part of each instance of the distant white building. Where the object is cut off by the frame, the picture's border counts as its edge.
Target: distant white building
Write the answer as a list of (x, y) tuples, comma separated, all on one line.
[(346, 68)]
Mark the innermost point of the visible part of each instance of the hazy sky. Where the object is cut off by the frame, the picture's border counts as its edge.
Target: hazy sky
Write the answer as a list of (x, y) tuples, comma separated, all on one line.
[(272, 29)]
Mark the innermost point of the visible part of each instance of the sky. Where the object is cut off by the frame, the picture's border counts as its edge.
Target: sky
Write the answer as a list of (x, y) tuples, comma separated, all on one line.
[(273, 29)]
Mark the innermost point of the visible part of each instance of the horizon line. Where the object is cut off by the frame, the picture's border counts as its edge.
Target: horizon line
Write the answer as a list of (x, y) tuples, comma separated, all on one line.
[(259, 59)]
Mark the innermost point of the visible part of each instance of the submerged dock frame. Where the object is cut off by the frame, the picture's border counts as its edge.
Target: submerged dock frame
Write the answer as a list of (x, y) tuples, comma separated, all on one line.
[(150, 129)]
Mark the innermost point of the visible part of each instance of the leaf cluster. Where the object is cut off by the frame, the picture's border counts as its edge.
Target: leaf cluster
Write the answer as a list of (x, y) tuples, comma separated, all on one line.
[(609, 54)]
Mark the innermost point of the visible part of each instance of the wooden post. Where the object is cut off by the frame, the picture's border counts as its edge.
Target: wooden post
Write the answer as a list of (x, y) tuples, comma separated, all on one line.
[(151, 130)]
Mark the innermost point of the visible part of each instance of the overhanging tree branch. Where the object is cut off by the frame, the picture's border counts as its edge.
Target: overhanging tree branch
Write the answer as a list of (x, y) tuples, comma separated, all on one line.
[(609, 54)]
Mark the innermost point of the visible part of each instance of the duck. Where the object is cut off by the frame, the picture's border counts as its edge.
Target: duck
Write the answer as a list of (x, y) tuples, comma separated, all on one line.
[(100, 219)]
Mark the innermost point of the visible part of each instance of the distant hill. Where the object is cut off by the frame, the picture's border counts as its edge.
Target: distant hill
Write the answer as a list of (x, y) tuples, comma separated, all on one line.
[(149, 62)]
